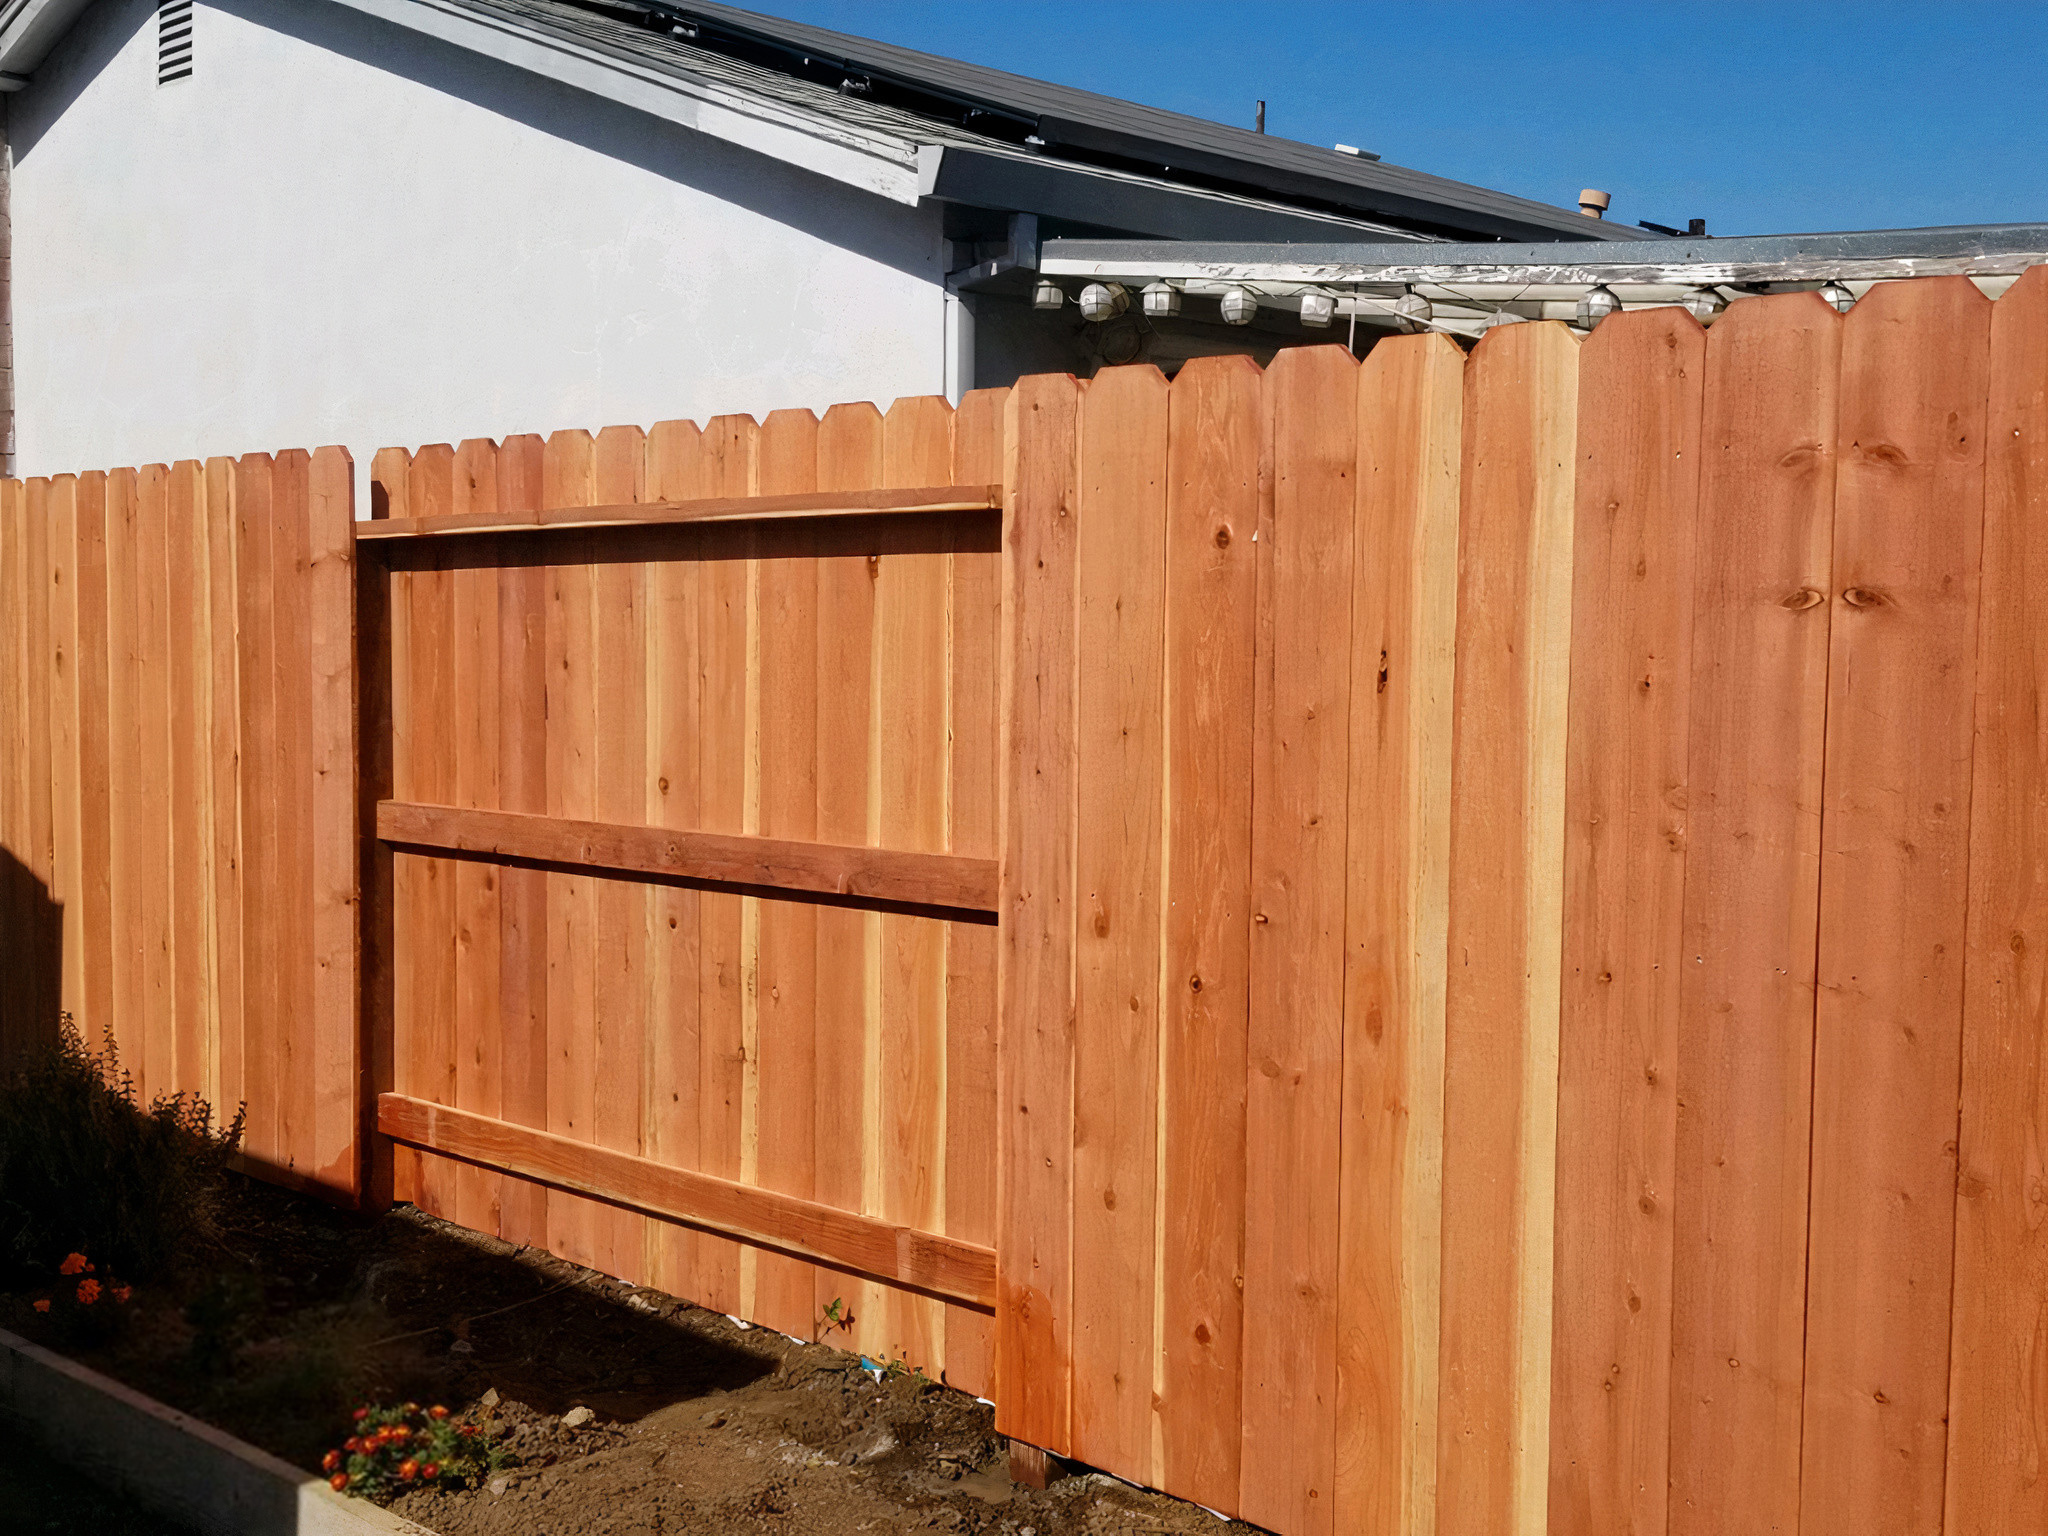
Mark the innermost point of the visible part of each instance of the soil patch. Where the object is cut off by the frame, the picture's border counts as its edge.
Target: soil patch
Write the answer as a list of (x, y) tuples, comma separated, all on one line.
[(627, 1410)]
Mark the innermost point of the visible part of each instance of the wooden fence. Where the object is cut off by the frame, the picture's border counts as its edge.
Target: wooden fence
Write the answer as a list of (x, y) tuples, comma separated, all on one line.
[(1436, 945)]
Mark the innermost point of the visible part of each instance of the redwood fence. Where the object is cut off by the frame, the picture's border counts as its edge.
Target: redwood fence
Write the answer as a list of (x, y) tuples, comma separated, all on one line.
[(1435, 945)]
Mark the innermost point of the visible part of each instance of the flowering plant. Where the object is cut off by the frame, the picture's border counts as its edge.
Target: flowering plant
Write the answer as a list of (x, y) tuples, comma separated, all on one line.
[(92, 1309), (401, 1447)]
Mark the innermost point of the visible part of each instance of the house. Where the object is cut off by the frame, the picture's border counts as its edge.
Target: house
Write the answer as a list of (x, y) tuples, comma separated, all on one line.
[(242, 223)]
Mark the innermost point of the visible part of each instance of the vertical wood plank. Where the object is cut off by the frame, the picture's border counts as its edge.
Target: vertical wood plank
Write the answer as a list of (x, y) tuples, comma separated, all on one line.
[(568, 465), (727, 468), (1501, 999), (332, 1156), (1752, 888), (388, 1026), (674, 682), (1404, 614), (192, 1039), (60, 653), (972, 801), (1215, 455), (95, 637), (1121, 558), (42, 927), (1035, 1030), (1909, 513), (522, 758), (223, 778), (1640, 381), (1293, 1085), (849, 459), (291, 910), (907, 1086), (427, 940), (1998, 1395), (784, 1115), (619, 477), (261, 959), (149, 825), (17, 1000), (477, 696)]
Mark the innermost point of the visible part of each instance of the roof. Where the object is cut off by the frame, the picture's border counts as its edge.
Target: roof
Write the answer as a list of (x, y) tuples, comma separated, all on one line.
[(1084, 124), (913, 126)]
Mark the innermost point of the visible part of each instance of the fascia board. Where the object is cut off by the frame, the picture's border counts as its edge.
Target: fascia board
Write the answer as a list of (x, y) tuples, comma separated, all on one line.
[(987, 178), (876, 163)]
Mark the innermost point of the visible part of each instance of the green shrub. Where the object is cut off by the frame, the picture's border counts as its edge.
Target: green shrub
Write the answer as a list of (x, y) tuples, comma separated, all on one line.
[(84, 1167)]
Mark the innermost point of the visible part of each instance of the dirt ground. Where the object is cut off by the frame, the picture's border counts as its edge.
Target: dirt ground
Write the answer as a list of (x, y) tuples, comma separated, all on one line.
[(694, 1423)]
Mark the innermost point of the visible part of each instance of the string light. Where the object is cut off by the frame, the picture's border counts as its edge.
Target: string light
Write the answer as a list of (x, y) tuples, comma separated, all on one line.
[(1048, 294), (1161, 300), (1318, 310), (1239, 306), (1839, 296), (1104, 301), (1595, 305)]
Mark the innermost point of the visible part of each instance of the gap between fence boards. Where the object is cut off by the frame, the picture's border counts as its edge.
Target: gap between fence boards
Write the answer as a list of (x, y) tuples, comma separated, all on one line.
[(928, 1262)]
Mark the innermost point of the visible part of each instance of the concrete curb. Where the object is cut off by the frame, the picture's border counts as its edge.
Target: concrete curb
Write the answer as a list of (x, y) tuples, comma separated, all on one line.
[(168, 1461)]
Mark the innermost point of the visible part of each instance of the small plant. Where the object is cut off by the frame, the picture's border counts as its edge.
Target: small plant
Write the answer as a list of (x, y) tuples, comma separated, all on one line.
[(397, 1448), (85, 1306), (836, 1317), (84, 1167)]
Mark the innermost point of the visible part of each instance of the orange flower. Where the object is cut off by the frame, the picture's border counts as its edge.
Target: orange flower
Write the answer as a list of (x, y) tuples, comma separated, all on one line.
[(361, 1414), (120, 1293), (74, 1264), (330, 1461), (437, 1412), (88, 1292), (338, 1482), (431, 1469), (43, 1305), (408, 1469)]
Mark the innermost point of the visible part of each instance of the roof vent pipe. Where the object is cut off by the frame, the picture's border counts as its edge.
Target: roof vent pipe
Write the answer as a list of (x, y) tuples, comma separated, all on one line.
[(1594, 203)]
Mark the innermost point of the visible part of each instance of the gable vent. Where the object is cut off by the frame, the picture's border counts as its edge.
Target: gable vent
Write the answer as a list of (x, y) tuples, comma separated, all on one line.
[(173, 41)]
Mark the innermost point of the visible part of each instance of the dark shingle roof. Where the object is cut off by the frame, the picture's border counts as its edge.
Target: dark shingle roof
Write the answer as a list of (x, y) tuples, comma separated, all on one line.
[(1083, 126)]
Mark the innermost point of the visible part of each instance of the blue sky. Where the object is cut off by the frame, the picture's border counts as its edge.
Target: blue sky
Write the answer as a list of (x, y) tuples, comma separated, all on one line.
[(1757, 118)]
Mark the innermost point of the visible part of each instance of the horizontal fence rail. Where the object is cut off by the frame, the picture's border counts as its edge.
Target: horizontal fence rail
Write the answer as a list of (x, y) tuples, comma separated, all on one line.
[(1439, 944)]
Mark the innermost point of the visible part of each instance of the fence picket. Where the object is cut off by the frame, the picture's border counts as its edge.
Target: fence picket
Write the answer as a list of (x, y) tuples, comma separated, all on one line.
[(727, 466), (223, 775), (1745, 1027), (907, 808), (1294, 1041), (1120, 520), (567, 466), (619, 742), (784, 1117), (1035, 1050), (476, 694), (95, 1003), (674, 683), (1997, 1416), (522, 755), (975, 576), (1501, 995), (1909, 513), (849, 459), (1404, 613)]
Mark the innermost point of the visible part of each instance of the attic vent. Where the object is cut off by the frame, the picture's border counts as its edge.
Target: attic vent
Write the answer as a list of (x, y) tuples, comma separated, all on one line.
[(173, 41)]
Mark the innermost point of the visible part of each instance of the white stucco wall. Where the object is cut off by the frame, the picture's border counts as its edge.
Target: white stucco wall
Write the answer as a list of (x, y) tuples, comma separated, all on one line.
[(339, 231)]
